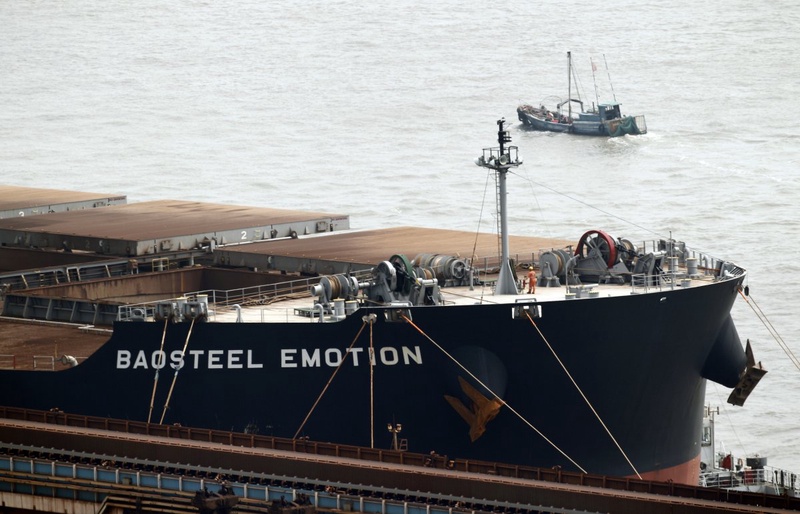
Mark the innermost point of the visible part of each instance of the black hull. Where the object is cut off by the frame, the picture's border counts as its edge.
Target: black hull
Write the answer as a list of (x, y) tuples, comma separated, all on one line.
[(639, 359)]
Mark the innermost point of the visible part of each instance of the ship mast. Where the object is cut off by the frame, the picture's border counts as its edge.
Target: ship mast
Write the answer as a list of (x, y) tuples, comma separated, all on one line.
[(569, 84), (501, 159)]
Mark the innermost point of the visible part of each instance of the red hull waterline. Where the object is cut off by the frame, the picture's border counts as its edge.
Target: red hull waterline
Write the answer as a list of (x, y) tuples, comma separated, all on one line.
[(687, 473)]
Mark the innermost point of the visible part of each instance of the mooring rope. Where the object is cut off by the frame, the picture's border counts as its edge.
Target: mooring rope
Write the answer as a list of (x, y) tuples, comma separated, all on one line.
[(503, 402), (480, 217), (371, 391), (367, 319), (177, 369), (583, 395), (751, 302), (155, 379), (478, 229)]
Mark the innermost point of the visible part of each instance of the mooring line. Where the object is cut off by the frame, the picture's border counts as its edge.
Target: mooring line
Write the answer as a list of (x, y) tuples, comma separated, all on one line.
[(367, 320), (164, 362), (520, 416), (371, 390), (177, 369), (751, 302), (584, 396)]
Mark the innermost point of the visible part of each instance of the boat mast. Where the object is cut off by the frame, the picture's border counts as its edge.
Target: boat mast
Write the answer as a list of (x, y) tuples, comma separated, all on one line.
[(596, 94), (569, 83), (609, 79), (500, 160)]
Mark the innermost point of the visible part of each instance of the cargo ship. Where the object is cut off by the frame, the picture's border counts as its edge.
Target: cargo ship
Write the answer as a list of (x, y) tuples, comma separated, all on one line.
[(599, 366)]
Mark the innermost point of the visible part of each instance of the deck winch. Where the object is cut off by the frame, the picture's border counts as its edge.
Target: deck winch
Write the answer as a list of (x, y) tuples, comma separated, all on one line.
[(183, 309), (395, 281), (598, 258)]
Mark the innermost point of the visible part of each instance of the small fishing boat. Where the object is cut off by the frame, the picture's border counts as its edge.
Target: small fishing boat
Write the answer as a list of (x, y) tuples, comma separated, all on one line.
[(604, 119)]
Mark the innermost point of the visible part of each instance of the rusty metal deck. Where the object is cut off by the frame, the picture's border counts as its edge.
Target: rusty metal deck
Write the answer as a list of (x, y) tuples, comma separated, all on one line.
[(155, 227), (354, 250), (17, 201)]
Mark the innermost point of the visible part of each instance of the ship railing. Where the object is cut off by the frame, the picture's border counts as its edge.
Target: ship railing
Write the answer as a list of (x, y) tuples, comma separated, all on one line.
[(262, 294), (781, 478), (719, 479), (697, 263), (168, 487), (644, 283), (47, 362), (37, 362), (777, 478), (8, 361), (681, 277), (58, 275), (641, 283), (265, 293)]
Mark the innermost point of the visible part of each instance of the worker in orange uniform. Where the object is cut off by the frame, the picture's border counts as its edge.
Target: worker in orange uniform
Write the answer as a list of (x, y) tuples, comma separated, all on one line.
[(531, 281)]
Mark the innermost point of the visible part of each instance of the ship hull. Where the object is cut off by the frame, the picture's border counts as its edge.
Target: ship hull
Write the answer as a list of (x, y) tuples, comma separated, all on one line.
[(638, 360)]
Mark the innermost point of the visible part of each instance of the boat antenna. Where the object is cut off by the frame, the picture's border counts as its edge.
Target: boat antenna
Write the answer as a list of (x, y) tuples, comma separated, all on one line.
[(594, 69), (609, 79), (501, 159)]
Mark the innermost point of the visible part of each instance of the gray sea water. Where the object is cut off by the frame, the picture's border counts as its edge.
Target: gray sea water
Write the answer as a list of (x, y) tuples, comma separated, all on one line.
[(378, 109)]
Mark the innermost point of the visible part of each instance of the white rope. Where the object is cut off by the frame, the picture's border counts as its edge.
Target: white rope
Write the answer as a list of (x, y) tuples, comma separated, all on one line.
[(155, 379), (530, 425), (177, 369), (584, 396), (335, 371), (371, 391), (751, 302)]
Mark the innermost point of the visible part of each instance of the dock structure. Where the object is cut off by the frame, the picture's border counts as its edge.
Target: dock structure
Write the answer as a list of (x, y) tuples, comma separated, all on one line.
[(359, 250), (19, 202), (121, 466), (157, 227)]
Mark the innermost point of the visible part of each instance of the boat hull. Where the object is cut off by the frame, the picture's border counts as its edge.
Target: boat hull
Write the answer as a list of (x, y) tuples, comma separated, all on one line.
[(638, 359), (538, 123), (616, 127), (585, 124)]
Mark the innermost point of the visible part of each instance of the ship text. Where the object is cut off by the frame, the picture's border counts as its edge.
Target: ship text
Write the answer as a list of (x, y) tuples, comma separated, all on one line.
[(333, 357), (289, 358), (211, 359)]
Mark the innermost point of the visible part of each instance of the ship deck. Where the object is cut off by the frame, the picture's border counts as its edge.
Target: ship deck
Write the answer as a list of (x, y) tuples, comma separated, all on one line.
[(37, 344), (300, 308), (155, 227), (352, 250), (17, 201)]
